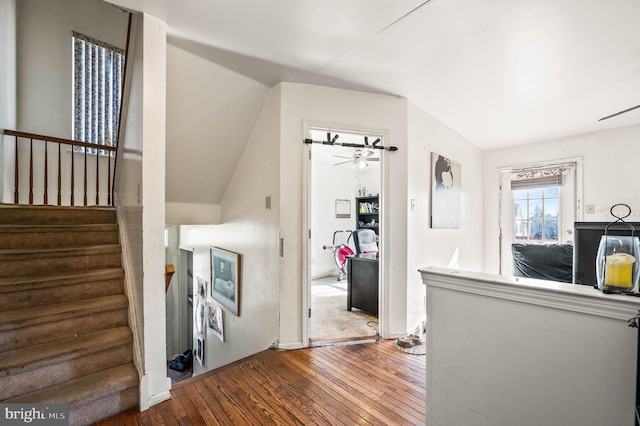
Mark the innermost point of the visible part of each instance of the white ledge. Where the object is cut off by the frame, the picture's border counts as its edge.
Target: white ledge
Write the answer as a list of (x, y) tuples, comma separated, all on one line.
[(568, 297)]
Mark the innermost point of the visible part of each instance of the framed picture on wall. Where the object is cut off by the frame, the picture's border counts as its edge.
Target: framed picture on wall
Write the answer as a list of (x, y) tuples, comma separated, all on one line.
[(225, 279), (202, 287), (201, 317), (199, 352), (445, 192), (215, 323)]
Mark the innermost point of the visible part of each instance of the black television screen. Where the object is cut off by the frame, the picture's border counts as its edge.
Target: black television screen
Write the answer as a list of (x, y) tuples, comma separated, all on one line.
[(586, 239)]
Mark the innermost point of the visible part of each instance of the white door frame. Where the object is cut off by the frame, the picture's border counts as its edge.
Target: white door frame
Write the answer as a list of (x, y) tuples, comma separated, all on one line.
[(505, 233), (306, 221)]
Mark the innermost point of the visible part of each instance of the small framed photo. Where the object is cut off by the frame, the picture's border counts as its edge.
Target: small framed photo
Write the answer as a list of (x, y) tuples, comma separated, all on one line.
[(215, 323), (200, 351), (225, 279), (201, 317), (202, 287)]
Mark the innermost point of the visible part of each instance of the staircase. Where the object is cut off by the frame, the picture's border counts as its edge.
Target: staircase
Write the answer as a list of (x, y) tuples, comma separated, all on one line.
[(64, 334)]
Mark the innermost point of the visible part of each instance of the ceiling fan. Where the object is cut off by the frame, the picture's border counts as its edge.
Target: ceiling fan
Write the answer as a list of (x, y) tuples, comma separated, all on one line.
[(360, 157), (620, 112)]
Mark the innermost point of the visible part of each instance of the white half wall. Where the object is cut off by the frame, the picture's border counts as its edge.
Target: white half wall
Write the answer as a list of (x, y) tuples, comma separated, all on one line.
[(609, 175), (509, 351)]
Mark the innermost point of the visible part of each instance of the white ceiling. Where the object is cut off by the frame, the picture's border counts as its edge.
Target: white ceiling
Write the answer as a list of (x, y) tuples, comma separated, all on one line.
[(498, 72)]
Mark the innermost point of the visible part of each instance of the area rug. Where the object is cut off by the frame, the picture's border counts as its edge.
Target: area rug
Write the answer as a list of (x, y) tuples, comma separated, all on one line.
[(330, 318), (420, 349), (178, 376)]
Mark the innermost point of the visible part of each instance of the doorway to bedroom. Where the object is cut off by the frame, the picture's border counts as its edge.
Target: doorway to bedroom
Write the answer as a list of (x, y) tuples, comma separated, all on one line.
[(345, 185)]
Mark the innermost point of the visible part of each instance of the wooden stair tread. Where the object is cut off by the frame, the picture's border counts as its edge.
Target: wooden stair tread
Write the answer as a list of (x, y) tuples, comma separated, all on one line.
[(90, 227), (29, 358), (64, 336), (86, 388), (23, 214), (29, 282), (19, 254), (11, 320)]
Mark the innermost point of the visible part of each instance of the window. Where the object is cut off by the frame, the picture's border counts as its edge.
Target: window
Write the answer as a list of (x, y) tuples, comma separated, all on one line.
[(97, 91), (537, 203), (536, 214)]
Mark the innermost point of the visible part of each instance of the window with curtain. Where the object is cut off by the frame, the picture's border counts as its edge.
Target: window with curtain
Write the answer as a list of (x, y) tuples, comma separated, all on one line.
[(537, 203), (98, 70)]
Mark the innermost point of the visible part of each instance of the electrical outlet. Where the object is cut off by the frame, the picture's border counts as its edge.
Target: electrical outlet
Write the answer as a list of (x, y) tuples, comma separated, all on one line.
[(590, 209)]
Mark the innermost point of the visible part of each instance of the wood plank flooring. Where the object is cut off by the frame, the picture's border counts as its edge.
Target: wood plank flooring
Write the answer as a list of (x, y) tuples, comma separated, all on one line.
[(371, 383)]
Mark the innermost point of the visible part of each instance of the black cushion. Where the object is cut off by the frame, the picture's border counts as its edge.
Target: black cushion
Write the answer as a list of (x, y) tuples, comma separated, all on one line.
[(552, 262)]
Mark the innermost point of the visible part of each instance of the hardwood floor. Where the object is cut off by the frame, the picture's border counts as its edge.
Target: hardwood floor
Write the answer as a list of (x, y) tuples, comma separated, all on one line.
[(371, 383)]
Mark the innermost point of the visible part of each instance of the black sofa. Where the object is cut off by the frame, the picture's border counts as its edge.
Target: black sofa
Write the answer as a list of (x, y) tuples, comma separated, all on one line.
[(552, 262)]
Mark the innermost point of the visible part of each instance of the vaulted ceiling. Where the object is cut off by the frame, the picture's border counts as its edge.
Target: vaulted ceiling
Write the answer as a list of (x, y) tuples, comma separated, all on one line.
[(498, 72)]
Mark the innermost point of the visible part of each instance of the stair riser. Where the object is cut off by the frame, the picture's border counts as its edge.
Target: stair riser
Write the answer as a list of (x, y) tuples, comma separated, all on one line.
[(30, 240), (65, 293), (41, 266), (49, 332), (105, 407), (19, 384), (67, 354), (12, 215)]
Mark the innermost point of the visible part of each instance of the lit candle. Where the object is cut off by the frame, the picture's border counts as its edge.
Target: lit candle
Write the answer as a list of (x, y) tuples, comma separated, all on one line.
[(618, 270)]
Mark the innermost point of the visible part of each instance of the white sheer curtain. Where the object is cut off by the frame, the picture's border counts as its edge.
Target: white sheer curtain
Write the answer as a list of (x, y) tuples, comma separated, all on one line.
[(97, 75)]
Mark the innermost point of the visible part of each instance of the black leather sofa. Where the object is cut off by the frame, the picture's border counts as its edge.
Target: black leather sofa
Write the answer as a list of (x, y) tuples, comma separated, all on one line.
[(552, 262)]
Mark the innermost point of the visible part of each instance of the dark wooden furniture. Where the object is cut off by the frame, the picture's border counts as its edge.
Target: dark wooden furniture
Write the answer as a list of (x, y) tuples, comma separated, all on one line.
[(362, 285), (368, 212)]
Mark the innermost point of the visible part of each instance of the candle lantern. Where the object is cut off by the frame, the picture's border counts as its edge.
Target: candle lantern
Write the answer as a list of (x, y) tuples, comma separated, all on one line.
[(617, 261)]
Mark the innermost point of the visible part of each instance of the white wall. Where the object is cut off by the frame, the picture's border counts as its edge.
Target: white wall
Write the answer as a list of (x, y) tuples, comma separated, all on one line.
[(304, 105), (250, 229), (45, 95), (7, 89), (153, 170), (45, 75), (141, 203), (454, 248), (609, 175), (211, 112)]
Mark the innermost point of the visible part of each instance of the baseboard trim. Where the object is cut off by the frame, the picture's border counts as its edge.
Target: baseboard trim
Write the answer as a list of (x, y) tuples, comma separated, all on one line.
[(289, 346), (158, 398)]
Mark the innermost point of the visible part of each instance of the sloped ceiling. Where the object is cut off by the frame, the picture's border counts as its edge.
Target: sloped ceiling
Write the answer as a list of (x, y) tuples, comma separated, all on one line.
[(498, 72)]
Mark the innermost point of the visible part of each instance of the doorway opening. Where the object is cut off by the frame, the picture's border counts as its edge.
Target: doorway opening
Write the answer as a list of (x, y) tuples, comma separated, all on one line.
[(538, 204), (179, 311), (344, 201)]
